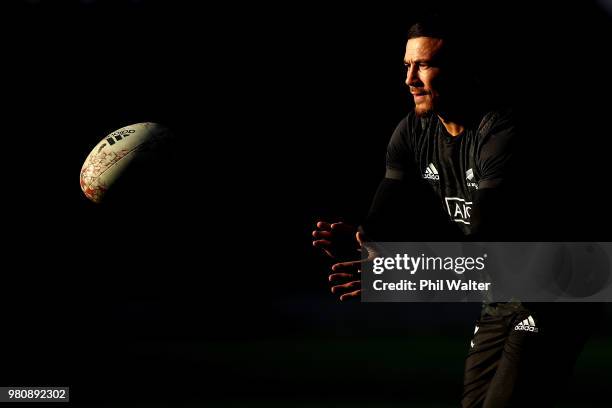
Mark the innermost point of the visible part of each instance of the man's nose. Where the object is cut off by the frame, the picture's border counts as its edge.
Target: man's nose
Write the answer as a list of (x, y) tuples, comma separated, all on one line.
[(412, 78)]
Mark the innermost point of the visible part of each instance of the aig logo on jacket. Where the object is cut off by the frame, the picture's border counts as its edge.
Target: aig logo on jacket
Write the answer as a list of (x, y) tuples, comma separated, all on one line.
[(459, 209)]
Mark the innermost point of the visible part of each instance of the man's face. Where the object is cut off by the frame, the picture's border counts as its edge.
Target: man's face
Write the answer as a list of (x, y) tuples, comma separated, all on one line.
[(423, 72)]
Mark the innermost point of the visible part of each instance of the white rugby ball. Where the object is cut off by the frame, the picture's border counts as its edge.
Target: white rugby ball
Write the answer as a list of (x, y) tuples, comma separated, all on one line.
[(118, 151)]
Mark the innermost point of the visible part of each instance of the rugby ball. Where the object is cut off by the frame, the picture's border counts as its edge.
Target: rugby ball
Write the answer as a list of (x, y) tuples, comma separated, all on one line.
[(118, 153)]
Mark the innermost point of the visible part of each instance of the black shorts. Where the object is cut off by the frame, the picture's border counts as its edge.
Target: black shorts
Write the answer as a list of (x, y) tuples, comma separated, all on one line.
[(523, 355)]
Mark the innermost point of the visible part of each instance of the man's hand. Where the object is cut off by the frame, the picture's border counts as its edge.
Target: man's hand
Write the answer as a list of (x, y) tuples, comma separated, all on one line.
[(336, 240), (346, 276)]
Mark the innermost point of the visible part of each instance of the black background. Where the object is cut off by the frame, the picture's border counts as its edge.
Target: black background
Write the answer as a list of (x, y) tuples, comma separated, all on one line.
[(215, 295)]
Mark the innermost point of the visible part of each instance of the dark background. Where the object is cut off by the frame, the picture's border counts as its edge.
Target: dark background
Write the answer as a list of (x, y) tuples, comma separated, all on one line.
[(215, 295)]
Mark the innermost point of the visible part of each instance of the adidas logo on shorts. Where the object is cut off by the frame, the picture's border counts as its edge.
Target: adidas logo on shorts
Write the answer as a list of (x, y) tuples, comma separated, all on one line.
[(527, 325)]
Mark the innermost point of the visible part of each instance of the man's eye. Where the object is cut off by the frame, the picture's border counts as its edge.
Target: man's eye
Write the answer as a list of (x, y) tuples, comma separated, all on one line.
[(423, 67)]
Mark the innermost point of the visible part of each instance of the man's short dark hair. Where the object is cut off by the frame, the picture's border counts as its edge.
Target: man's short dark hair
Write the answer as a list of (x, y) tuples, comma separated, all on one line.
[(456, 46), (432, 26)]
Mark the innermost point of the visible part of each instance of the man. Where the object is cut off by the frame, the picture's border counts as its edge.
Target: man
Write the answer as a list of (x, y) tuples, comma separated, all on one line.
[(451, 161), (450, 155)]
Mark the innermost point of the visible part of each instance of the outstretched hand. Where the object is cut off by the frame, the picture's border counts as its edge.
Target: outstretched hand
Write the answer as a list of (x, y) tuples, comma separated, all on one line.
[(346, 276), (337, 240)]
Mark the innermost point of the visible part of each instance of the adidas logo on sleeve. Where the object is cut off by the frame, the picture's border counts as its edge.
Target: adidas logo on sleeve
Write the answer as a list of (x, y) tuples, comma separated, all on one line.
[(527, 325), (431, 173)]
